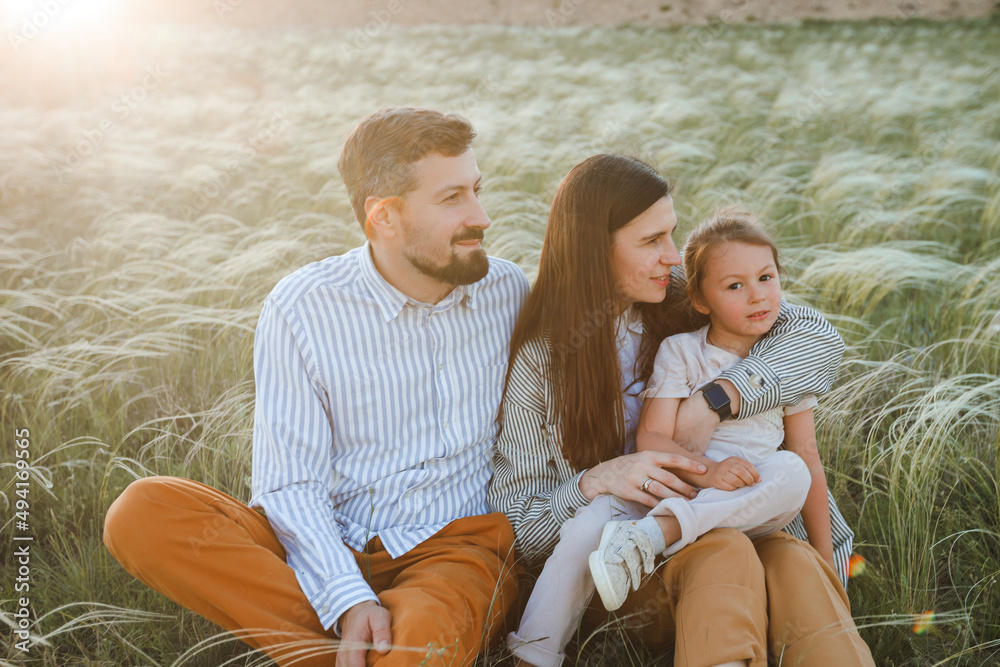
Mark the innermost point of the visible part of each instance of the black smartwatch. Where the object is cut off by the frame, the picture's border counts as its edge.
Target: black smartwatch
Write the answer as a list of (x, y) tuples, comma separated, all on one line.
[(718, 400)]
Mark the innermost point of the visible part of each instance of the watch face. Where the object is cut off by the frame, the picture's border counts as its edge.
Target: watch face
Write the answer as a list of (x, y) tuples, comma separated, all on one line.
[(718, 400), (716, 396)]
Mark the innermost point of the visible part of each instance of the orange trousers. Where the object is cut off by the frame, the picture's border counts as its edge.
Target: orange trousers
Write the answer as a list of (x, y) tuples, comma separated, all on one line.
[(207, 551), (725, 598)]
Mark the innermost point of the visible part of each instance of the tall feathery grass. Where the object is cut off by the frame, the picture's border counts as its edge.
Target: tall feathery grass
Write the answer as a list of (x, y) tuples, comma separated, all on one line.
[(140, 237)]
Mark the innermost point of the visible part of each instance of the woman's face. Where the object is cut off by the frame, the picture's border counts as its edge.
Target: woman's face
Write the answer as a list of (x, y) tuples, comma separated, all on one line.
[(642, 253)]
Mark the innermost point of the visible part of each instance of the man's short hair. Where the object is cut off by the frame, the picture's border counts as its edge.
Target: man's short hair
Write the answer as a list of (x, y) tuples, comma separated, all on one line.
[(378, 155)]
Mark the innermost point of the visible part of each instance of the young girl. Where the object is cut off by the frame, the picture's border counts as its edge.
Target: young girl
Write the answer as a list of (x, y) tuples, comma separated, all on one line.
[(732, 269)]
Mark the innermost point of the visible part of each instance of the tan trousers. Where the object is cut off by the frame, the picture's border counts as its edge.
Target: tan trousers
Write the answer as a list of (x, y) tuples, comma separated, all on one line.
[(214, 555), (565, 585), (725, 598)]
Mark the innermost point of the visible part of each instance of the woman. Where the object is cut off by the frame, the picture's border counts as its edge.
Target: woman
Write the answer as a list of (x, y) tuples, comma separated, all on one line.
[(583, 345)]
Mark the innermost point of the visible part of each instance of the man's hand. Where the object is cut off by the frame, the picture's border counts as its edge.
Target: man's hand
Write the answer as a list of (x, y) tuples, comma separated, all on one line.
[(732, 473), (364, 623), (696, 421)]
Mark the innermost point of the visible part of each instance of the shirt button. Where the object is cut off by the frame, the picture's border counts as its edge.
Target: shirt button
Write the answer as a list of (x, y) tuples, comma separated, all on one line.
[(445, 424), (440, 366), (756, 380), (325, 609)]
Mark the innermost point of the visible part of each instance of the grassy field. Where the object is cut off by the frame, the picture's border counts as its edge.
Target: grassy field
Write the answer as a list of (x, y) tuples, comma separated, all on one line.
[(153, 189)]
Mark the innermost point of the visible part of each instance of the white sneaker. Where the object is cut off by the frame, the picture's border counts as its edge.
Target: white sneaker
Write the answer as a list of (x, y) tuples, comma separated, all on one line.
[(623, 557)]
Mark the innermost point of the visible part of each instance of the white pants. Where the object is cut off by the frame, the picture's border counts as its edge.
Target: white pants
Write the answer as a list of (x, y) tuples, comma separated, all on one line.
[(565, 585)]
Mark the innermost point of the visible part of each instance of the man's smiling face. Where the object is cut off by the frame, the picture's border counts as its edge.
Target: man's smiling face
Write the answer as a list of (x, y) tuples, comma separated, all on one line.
[(442, 221)]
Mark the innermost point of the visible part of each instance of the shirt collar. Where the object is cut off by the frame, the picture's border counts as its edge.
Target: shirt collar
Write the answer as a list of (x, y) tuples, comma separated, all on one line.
[(391, 301), (469, 293), (630, 320)]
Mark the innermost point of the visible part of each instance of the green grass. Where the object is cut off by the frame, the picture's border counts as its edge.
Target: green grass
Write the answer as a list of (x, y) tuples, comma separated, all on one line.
[(131, 279)]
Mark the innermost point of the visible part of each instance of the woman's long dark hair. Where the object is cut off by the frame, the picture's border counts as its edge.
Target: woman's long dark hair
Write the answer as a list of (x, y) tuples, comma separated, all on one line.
[(576, 300)]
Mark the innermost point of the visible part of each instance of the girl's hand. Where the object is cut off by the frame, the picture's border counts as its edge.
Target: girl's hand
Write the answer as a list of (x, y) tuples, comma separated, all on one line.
[(732, 473), (625, 476)]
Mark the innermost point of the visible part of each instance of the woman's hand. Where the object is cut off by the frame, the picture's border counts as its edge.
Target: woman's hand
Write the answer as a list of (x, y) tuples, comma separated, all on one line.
[(625, 476)]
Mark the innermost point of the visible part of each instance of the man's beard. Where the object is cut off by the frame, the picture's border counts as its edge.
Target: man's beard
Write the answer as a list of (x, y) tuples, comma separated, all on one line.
[(457, 271)]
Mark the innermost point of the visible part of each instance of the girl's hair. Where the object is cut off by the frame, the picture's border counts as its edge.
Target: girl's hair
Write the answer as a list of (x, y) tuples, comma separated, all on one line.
[(576, 298), (730, 224)]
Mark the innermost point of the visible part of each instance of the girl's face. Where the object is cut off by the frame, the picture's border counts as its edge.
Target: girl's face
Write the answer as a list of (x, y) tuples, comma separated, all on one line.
[(740, 290), (642, 253)]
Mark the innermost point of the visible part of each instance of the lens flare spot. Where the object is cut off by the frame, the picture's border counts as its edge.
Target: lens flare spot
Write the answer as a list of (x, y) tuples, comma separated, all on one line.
[(924, 623), (856, 566)]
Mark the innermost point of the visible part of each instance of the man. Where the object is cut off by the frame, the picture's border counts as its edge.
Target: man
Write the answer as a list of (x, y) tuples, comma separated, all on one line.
[(378, 375)]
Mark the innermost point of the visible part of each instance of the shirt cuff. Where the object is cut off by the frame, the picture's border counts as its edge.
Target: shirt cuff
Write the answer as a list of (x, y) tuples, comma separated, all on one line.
[(568, 498), (340, 594), (759, 386)]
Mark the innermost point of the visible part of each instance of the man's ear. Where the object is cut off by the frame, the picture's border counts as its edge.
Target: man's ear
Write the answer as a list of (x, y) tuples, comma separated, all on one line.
[(380, 218)]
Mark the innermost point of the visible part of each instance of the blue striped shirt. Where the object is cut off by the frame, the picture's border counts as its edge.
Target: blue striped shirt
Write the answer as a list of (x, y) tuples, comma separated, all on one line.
[(374, 414)]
